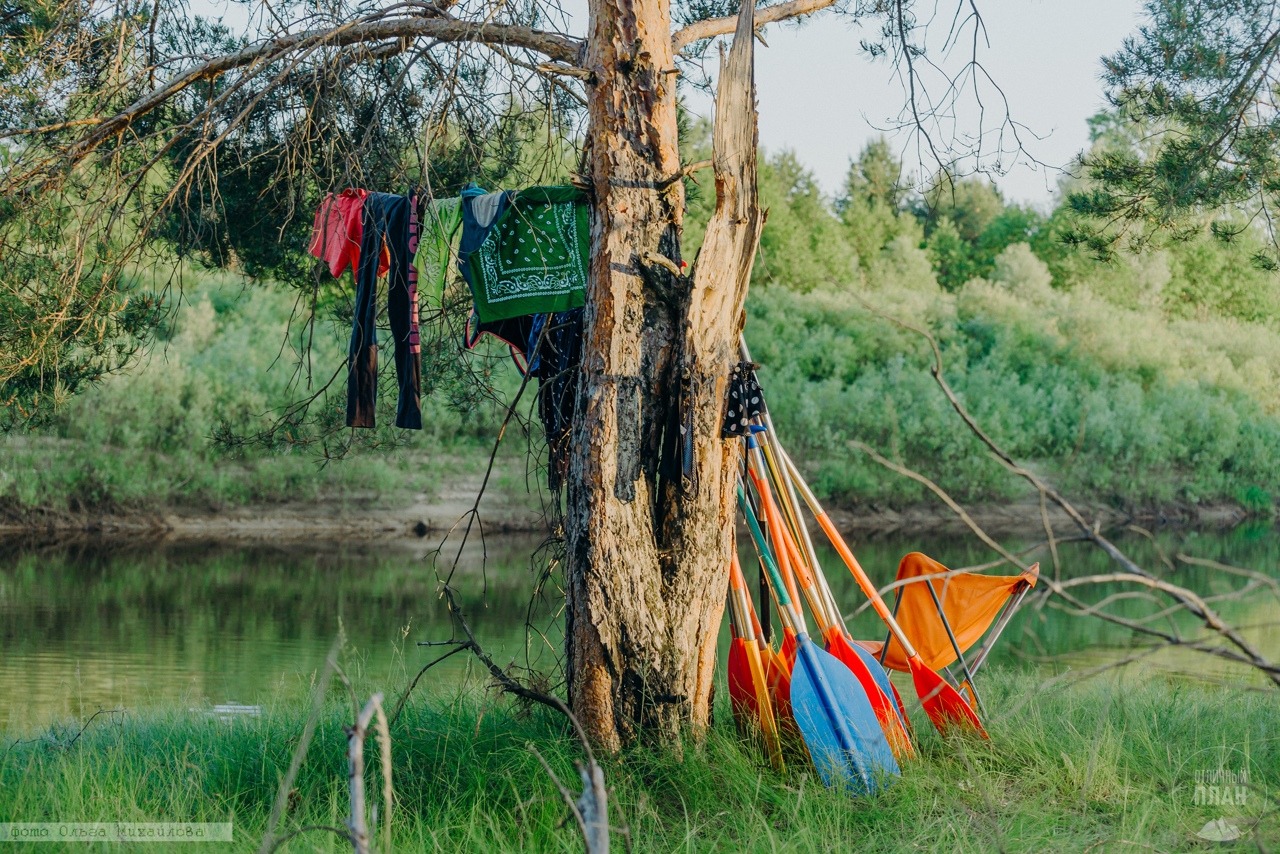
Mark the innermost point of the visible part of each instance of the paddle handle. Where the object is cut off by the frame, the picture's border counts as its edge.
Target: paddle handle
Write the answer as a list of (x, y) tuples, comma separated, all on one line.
[(852, 562)]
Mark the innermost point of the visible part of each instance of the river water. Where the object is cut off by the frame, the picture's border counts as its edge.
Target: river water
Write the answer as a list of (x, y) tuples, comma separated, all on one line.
[(88, 625)]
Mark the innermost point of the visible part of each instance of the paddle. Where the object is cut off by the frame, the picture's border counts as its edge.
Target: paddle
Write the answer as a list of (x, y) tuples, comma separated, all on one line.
[(835, 634), (789, 556), (748, 686), (942, 702), (835, 719)]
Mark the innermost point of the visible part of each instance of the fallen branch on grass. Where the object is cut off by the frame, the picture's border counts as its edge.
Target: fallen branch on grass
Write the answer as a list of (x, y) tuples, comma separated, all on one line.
[(1251, 654)]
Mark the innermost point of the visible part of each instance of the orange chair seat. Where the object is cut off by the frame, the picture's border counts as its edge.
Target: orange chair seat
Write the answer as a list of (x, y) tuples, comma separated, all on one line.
[(970, 601)]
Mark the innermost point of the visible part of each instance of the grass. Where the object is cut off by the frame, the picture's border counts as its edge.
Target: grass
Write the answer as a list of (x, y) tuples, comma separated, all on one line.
[(1109, 764)]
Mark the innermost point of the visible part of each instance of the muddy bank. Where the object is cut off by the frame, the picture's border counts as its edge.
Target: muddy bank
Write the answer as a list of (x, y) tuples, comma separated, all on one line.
[(420, 514)]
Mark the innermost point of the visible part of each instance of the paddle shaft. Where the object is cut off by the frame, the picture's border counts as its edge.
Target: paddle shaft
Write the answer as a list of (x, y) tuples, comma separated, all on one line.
[(786, 555), (787, 492), (852, 562), (804, 645)]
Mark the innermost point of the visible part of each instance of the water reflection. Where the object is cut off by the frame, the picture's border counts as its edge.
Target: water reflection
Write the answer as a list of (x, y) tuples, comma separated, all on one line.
[(92, 625)]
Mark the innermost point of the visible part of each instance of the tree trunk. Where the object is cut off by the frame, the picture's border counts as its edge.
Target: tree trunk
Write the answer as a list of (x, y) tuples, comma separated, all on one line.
[(649, 539)]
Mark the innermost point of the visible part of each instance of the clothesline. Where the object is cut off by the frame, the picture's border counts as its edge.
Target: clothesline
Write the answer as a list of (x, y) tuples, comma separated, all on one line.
[(524, 255)]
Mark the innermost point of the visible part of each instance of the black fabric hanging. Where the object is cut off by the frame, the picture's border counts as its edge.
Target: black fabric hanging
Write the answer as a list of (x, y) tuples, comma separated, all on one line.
[(746, 400)]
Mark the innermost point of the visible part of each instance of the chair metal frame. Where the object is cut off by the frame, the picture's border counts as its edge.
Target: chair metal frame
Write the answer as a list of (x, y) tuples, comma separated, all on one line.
[(993, 634)]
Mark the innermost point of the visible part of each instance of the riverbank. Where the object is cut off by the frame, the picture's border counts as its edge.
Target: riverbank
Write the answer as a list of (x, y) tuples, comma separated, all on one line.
[(506, 506), (422, 514), (1097, 766)]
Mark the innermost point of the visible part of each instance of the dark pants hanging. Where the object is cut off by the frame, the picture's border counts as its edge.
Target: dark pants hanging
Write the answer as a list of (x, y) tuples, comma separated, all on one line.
[(385, 217)]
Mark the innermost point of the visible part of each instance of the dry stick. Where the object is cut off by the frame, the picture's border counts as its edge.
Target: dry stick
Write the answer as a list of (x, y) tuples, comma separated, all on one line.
[(1138, 529), (383, 730), (357, 828), (1260, 577), (1091, 531), (591, 809)]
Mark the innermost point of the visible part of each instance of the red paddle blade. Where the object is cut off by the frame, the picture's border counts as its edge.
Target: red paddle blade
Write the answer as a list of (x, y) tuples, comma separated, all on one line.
[(942, 703), (742, 694), (880, 704)]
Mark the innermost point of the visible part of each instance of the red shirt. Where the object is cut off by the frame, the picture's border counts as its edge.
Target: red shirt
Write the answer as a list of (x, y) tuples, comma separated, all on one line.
[(335, 238)]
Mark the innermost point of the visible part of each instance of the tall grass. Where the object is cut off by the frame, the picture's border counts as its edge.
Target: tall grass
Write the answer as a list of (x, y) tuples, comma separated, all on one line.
[(1103, 763)]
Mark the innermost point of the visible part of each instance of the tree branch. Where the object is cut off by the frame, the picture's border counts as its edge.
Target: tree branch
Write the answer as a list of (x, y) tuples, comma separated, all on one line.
[(555, 46), (712, 27)]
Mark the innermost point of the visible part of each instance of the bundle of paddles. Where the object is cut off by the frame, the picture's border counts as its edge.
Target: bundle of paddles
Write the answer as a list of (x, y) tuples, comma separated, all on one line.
[(826, 698)]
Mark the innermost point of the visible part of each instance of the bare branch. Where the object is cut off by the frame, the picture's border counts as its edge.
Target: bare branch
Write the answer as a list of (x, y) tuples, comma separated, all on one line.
[(712, 27), (1191, 602)]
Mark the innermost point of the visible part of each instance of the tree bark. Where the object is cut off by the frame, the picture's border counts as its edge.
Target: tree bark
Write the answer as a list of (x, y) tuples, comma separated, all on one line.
[(648, 539)]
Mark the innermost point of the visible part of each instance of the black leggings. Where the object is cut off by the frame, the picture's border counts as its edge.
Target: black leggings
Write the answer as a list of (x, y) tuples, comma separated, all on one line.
[(386, 216)]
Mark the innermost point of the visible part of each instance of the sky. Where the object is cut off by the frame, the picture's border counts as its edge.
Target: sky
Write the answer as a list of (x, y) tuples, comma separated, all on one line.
[(821, 96)]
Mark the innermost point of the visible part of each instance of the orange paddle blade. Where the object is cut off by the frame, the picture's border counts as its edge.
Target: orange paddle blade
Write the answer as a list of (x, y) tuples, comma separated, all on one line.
[(942, 703)]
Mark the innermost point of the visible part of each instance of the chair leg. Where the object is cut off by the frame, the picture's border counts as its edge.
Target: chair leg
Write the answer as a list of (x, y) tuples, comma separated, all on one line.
[(884, 650), (1010, 608), (955, 645)]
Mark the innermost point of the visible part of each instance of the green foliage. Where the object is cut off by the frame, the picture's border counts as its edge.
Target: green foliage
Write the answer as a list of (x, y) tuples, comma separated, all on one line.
[(1069, 768), (226, 366), (803, 245), (870, 204), (1148, 380), (1195, 88)]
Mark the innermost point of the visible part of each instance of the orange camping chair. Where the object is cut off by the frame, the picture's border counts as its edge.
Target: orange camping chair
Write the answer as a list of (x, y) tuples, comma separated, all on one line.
[(945, 616)]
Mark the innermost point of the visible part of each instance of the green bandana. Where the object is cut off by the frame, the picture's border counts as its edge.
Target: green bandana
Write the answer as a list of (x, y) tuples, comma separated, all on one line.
[(534, 259)]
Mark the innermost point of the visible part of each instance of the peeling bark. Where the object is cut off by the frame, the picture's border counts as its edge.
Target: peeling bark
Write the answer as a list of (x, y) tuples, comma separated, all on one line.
[(649, 549)]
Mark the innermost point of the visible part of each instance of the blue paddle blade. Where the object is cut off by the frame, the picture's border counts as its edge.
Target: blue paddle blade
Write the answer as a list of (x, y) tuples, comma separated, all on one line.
[(837, 723), (881, 676)]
